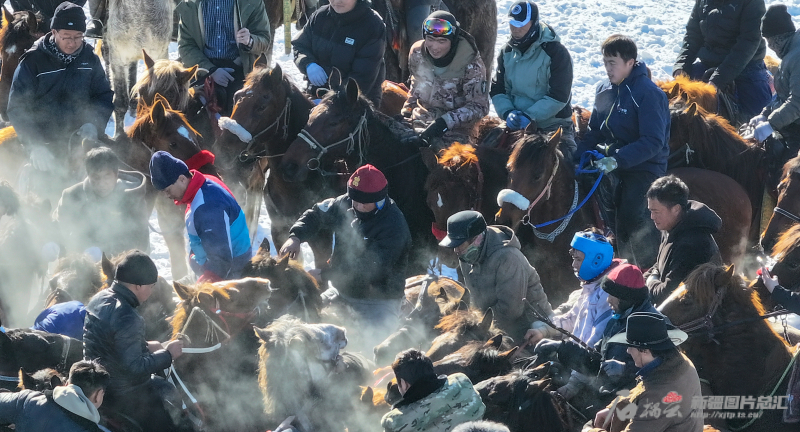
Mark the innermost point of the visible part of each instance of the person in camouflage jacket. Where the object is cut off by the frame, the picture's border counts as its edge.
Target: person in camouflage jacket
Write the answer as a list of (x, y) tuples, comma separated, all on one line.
[(449, 92), (430, 403)]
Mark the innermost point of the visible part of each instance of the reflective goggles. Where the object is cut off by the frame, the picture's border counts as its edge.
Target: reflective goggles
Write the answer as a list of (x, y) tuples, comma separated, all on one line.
[(437, 27)]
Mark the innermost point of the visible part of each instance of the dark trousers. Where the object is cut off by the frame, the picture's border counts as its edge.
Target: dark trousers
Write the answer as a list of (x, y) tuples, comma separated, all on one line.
[(147, 404), (624, 206), (225, 94), (752, 92)]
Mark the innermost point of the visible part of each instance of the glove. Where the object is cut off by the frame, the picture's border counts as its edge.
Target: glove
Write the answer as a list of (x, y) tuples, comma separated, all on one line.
[(329, 295), (613, 368), (222, 76), (756, 120), (570, 389), (606, 164), (316, 75), (517, 120), (88, 131), (654, 277), (41, 158), (546, 348), (762, 131), (435, 130)]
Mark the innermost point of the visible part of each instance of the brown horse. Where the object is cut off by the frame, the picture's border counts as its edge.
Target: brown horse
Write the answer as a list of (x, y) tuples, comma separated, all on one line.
[(217, 319), (699, 92), (734, 351), (478, 360), (786, 252), (295, 292), (345, 132), (787, 208), (538, 169), (41, 380), (35, 350), (463, 177), (461, 327), (18, 33), (269, 112), (437, 297)]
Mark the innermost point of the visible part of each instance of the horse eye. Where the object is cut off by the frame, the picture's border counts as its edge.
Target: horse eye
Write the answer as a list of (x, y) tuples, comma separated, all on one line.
[(173, 145)]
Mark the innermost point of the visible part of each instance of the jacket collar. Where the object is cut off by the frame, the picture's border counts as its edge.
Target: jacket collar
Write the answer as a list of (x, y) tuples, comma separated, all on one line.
[(420, 390), (124, 293), (195, 183)]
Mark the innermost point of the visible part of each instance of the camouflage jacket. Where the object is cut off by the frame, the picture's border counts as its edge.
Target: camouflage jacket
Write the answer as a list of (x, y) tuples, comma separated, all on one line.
[(453, 403), (458, 93)]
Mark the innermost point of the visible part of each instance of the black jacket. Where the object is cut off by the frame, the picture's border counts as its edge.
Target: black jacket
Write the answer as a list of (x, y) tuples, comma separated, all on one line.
[(50, 100), (33, 411), (723, 34), (683, 248), (113, 334), (370, 257), (788, 299), (352, 42)]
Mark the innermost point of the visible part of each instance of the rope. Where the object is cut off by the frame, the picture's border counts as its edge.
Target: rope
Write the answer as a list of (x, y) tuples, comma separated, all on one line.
[(565, 220)]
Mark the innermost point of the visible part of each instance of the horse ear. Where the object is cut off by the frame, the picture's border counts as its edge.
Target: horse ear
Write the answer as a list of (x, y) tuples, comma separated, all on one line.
[(263, 249), (335, 80), (692, 110), (183, 291), (7, 18), (107, 267), (148, 61), (261, 62), (367, 394), (684, 96), (532, 128), (555, 139), (352, 91), (494, 342), (429, 158), (262, 333), (55, 381), (442, 295), (675, 92), (186, 75), (26, 381), (283, 262), (276, 76), (508, 354), (486, 322), (724, 278)]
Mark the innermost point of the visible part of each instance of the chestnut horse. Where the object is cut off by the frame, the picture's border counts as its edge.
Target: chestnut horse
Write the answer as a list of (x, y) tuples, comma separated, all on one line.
[(219, 365), (786, 252), (787, 209), (734, 351), (18, 33)]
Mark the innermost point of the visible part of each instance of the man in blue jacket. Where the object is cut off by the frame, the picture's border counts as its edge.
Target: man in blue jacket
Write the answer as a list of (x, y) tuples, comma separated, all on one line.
[(218, 235), (630, 125)]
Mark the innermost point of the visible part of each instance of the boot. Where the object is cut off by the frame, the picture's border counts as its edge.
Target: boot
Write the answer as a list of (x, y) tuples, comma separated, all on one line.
[(98, 9)]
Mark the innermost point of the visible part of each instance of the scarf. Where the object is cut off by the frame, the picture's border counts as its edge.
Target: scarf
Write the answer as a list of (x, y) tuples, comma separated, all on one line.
[(781, 43), (50, 46)]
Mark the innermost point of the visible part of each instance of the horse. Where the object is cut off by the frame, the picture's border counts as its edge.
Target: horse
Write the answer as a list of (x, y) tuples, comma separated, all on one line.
[(436, 297), (35, 350), (728, 338), (41, 380), (75, 277), (297, 372), (215, 320), (295, 292), (19, 32), (345, 131), (132, 27), (269, 112), (699, 92), (786, 253), (523, 398), (477, 17), (459, 328), (538, 191), (708, 141), (463, 177), (787, 207), (478, 360)]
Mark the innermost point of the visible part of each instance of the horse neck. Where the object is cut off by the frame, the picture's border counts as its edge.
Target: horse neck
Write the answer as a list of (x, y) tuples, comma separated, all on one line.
[(384, 148)]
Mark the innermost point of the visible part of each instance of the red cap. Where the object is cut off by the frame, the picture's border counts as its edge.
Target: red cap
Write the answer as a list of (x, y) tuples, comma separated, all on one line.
[(367, 185), (626, 282)]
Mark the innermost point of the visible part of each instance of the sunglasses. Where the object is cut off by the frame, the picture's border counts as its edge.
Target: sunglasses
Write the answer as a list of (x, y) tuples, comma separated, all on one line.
[(438, 27)]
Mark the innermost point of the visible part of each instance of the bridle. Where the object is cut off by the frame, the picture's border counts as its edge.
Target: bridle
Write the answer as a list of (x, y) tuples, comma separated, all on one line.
[(358, 137), (526, 220), (281, 122), (786, 214)]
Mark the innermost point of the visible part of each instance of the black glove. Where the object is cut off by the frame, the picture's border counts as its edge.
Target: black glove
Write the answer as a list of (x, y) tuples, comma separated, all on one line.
[(576, 357), (435, 130), (546, 348)]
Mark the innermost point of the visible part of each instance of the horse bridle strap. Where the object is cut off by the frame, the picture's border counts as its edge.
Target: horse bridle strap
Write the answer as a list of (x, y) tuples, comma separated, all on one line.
[(359, 134), (786, 214), (706, 320), (547, 189), (245, 155), (551, 237)]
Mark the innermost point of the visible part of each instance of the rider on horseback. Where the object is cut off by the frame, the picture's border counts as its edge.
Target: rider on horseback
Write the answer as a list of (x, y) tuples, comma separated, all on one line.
[(521, 91)]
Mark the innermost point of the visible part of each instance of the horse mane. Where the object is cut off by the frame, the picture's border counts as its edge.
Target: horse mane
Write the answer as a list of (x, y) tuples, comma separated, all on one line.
[(791, 166), (186, 306), (703, 282), (699, 92), (463, 321), (787, 242), (162, 79), (454, 162), (143, 130), (530, 147)]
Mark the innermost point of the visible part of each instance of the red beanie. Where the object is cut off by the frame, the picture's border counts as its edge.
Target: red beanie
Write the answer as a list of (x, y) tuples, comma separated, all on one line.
[(367, 185), (626, 282)]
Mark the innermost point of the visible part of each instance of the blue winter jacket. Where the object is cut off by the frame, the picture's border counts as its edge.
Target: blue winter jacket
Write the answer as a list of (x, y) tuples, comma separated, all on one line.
[(32, 411), (218, 235), (633, 117), (62, 318)]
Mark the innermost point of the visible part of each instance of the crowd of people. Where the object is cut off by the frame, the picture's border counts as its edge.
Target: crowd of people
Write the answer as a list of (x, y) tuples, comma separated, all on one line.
[(624, 342)]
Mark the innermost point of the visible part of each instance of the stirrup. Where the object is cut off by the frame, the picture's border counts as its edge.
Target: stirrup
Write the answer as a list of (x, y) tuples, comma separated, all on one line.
[(94, 30)]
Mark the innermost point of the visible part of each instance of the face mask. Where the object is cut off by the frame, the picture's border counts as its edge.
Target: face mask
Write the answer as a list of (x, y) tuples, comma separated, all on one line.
[(365, 216), (470, 256)]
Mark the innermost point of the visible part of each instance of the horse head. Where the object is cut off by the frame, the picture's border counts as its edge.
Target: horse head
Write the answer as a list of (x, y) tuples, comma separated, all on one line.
[(336, 130), (167, 78), (478, 360), (787, 267), (699, 92), (460, 327), (75, 277), (787, 209), (532, 168), (45, 379)]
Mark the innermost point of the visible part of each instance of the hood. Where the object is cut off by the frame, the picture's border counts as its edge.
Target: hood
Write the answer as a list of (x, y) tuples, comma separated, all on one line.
[(698, 217), (546, 34), (498, 237), (639, 70), (71, 398), (128, 182), (465, 54)]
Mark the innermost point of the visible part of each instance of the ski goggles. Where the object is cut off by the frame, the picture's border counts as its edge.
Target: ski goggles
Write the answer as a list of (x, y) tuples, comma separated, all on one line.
[(438, 27)]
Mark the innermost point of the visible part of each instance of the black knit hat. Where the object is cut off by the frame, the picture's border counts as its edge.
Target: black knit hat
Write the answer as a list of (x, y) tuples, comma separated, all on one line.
[(523, 12), (136, 268), (776, 21), (68, 16), (626, 282)]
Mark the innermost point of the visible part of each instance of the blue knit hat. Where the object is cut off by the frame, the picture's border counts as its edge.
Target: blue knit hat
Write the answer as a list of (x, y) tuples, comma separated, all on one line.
[(165, 169)]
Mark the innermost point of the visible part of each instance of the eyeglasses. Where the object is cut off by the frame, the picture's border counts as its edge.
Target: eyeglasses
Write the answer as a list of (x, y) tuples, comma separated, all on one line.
[(74, 39), (438, 27)]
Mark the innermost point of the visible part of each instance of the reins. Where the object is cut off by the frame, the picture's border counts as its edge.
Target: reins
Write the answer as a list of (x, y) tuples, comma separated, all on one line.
[(786, 214), (359, 136), (282, 120)]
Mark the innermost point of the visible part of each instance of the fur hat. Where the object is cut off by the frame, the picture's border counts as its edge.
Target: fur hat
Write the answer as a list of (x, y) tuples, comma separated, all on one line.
[(136, 268), (165, 169), (367, 185), (776, 21), (626, 282), (68, 16)]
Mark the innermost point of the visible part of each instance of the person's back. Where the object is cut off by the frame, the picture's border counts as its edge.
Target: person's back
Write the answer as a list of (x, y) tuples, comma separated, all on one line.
[(62, 318)]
